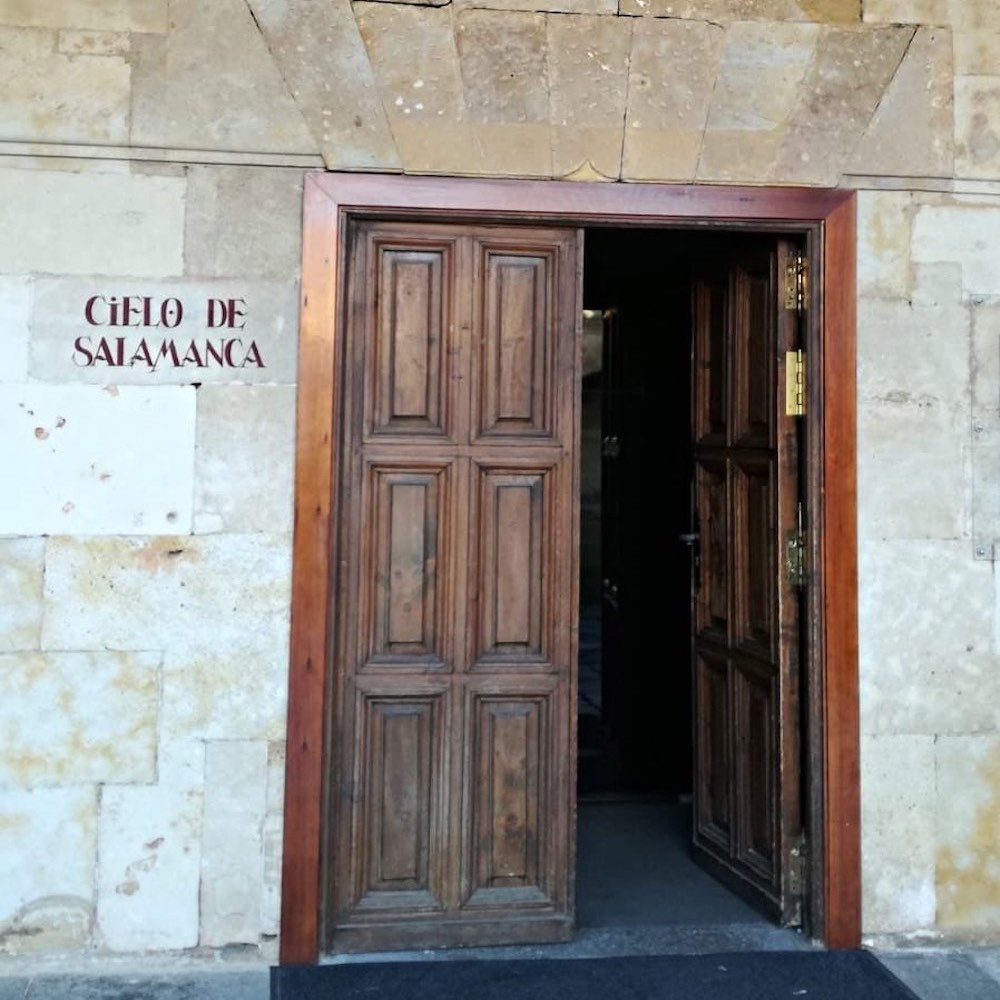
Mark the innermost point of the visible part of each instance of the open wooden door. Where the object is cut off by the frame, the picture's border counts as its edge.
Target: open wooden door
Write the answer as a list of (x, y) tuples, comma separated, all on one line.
[(745, 615), (450, 793)]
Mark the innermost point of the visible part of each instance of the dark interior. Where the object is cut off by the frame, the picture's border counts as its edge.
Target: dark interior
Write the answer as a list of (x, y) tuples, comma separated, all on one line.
[(635, 691)]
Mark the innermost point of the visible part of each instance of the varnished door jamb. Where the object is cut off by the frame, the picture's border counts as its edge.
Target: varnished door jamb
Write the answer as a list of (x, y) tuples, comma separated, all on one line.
[(828, 218)]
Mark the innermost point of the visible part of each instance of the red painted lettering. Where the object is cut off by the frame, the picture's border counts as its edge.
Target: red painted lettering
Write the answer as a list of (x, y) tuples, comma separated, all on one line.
[(237, 310), (88, 310), (171, 313), (80, 347), (253, 356), (228, 350), (141, 353)]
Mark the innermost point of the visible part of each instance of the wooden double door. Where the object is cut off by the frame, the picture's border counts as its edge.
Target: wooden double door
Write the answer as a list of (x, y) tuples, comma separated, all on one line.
[(451, 778)]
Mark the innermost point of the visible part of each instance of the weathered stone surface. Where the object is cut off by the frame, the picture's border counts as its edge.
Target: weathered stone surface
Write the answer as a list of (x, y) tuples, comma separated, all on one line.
[(245, 459), (912, 130), (420, 86), (260, 346), (103, 15), (70, 718), (885, 220), (272, 839), (834, 11), (588, 61), (671, 74), (551, 6), (897, 829), (51, 97), (107, 223), (218, 96), (318, 49), (977, 126), (15, 319), (231, 851), (244, 222), (757, 90), (60, 825), (985, 419), (93, 43), (935, 12), (182, 594), (976, 26), (968, 235), (53, 924), (942, 677), (968, 832), (149, 857), (504, 68), (21, 610), (98, 461)]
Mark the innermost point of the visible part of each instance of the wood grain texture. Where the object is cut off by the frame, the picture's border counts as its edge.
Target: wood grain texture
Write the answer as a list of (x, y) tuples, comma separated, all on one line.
[(330, 200)]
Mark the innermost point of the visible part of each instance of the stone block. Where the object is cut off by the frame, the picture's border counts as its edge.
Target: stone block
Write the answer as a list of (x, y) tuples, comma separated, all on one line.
[(231, 851), (244, 222), (21, 609), (15, 321), (245, 459), (588, 61), (186, 332), (897, 830), (977, 126), (98, 461), (318, 49), (581, 7), (833, 11), (92, 43), (968, 235), (48, 843), (968, 833), (504, 67), (672, 71), (99, 15), (62, 222), (219, 86), (912, 130), (70, 718), (149, 857), (52, 97), (924, 673), (183, 594), (885, 221), (812, 156)]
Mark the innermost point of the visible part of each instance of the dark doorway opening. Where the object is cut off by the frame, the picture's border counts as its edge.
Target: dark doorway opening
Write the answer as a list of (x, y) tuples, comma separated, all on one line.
[(635, 706)]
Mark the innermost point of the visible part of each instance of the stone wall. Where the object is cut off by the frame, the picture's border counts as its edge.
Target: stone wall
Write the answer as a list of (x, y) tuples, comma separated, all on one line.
[(156, 148)]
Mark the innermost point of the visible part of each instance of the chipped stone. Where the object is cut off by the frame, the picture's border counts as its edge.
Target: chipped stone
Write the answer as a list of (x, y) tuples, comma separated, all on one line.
[(911, 132), (244, 463), (149, 857), (60, 825), (897, 830), (244, 222), (671, 74), (96, 462), (107, 223), (21, 608), (231, 853), (218, 96), (69, 718), (317, 47), (52, 97), (241, 330)]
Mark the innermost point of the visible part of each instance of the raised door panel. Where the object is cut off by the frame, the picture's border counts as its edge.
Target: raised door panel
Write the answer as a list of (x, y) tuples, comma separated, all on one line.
[(710, 302), (712, 609), (754, 555), (713, 752), (511, 531), (753, 350), (408, 582), (400, 815), (510, 805)]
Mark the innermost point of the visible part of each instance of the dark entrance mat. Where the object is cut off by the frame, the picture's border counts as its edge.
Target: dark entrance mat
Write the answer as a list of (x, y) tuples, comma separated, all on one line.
[(771, 975)]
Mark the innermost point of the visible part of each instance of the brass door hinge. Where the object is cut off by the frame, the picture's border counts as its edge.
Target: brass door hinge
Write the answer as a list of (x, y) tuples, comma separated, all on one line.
[(795, 383), (796, 282)]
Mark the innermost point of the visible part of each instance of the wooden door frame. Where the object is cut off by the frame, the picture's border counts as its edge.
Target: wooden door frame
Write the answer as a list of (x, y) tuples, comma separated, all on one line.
[(827, 218)]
